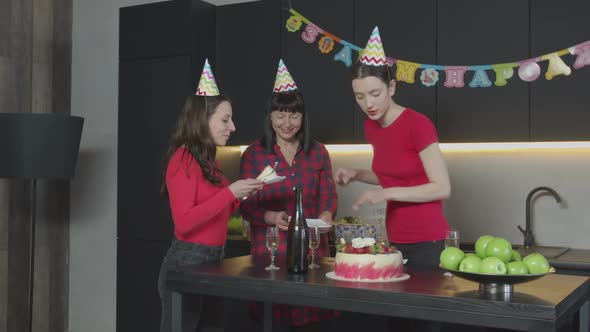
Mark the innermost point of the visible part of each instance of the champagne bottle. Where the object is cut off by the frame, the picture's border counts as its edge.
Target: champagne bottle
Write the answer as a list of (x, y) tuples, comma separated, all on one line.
[(297, 237)]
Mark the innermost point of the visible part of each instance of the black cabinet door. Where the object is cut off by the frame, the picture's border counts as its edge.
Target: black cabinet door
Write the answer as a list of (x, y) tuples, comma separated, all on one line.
[(248, 53), (560, 108), (151, 94), (154, 30), (472, 33), (408, 32), (324, 81), (138, 302)]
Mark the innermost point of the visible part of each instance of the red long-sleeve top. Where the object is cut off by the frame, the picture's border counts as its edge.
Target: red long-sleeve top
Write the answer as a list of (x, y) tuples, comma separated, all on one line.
[(200, 210)]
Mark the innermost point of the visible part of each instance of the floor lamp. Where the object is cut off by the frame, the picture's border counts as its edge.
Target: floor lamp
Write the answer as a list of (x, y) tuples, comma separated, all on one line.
[(38, 146)]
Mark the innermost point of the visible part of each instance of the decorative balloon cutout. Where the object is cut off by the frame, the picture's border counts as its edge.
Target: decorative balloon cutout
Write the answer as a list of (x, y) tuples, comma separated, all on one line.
[(293, 23), (429, 77), (406, 71), (480, 79), (503, 72), (556, 67), (455, 76), (529, 71), (583, 54), (344, 55), (310, 33), (326, 44)]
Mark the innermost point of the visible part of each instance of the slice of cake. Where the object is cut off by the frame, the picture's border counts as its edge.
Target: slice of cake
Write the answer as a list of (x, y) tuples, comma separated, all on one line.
[(364, 259)]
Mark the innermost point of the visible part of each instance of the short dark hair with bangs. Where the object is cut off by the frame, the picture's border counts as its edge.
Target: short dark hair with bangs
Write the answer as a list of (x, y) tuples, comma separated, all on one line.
[(291, 102)]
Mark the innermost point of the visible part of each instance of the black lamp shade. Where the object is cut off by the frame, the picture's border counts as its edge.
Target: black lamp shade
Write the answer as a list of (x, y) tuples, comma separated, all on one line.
[(43, 146)]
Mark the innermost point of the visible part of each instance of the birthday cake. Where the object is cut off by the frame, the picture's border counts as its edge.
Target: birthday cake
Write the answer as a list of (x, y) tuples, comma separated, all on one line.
[(364, 259)]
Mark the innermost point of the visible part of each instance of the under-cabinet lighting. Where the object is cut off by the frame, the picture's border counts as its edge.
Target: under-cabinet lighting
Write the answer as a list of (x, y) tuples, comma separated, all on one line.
[(470, 147)]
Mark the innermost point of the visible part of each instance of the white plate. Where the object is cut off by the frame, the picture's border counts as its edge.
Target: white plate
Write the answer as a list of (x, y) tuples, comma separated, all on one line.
[(319, 223), (402, 277), (275, 179)]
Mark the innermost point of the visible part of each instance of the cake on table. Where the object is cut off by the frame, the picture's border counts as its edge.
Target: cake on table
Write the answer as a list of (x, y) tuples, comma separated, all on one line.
[(364, 259)]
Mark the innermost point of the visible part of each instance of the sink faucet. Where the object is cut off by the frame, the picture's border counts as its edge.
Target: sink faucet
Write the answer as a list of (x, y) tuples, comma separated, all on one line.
[(529, 238)]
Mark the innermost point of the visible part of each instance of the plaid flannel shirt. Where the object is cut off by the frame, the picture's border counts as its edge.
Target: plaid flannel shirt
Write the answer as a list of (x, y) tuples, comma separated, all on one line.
[(312, 171)]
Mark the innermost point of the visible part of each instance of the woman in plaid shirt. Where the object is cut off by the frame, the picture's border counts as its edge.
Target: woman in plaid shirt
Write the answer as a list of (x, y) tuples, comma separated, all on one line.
[(304, 163)]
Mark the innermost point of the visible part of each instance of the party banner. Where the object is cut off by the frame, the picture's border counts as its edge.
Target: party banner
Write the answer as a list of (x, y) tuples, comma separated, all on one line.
[(528, 70)]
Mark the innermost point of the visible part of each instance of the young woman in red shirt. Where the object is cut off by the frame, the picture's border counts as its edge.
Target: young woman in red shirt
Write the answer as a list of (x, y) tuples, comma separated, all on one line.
[(201, 198), (407, 163)]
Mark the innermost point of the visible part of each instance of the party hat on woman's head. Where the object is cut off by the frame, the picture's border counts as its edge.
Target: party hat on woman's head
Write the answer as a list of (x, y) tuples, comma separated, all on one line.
[(284, 82), (373, 54), (207, 85)]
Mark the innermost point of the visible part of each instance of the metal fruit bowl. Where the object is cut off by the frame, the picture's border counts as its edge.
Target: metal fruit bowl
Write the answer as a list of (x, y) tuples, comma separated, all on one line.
[(497, 283)]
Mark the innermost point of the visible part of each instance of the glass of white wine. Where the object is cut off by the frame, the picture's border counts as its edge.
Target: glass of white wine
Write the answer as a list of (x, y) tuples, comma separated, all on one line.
[(452, 240), (314, 243), (272, 244)]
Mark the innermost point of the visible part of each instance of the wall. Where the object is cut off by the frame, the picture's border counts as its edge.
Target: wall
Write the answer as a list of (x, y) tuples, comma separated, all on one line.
[(489, 190), (483, 196), (93, 252)]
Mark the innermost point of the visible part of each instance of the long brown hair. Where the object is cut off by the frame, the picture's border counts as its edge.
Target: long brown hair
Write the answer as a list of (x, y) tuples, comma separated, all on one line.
[(192, 132)]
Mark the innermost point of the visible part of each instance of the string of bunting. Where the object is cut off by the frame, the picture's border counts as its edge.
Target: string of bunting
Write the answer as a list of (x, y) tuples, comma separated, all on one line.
[(528, 70)]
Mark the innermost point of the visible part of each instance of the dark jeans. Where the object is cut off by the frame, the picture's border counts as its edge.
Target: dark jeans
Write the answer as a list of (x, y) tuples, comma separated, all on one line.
[(422, 254), (180, 254)]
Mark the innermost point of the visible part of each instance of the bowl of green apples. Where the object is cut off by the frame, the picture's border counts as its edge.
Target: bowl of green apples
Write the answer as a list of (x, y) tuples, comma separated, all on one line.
[(494, 265)]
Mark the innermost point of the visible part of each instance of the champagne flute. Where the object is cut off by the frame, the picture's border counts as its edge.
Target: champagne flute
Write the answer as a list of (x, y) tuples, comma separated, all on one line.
[(314, 243), (272, 244), (451, 240)]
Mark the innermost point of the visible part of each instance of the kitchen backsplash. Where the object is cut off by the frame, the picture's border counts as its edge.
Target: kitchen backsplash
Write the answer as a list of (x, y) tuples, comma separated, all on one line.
[(489, 191)]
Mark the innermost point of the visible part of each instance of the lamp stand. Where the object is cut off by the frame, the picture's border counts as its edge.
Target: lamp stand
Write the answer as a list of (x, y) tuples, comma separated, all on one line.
[(32, 250)]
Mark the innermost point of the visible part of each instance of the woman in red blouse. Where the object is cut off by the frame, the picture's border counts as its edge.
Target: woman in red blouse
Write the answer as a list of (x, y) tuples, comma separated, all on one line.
[(305, 163), (407, 164), (201, 198)]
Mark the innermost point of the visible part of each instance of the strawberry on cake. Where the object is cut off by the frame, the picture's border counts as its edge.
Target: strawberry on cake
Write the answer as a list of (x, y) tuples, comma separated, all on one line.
[(366, 260)]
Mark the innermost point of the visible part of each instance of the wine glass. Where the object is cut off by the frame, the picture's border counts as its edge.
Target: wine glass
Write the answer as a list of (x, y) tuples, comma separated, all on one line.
[(272, 244), (314, 243), (451, 240)]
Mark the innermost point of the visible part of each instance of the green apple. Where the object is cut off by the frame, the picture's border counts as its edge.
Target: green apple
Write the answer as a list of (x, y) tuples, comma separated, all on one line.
[(470, 254), (492, 265), (500, 248), (536, 263), (470, 263), (515, 256), (481, 244), (451, 257), (517, 267)]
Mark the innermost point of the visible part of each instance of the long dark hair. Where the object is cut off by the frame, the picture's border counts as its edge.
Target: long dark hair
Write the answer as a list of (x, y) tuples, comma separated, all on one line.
[(292, 102), (361, 70), (192, 132)]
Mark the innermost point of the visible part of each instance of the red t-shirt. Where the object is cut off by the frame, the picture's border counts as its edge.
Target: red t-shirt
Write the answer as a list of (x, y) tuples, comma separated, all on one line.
[(396, 162), (200, 210)]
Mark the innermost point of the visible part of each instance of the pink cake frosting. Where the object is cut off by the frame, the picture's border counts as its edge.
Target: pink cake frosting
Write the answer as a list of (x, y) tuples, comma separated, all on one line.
[(368, 266)]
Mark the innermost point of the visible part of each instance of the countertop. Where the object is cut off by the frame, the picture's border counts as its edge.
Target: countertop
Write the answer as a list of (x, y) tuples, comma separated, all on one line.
[(575, 259), (540, 305)]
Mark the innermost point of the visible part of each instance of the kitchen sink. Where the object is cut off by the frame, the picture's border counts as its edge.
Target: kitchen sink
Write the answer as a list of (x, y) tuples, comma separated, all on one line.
[(548, 252)]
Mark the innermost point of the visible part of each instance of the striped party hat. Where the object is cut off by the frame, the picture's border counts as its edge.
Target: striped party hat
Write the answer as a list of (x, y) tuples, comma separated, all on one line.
[(373, 54), (207, 85), (284, 82)]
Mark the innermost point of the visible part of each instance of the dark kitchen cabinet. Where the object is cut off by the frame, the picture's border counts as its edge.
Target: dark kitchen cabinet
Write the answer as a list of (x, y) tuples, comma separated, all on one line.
[(472, 33), (324, 81), (151, 93), (247, 56), (560, 107), (138, 302), (419, 45)]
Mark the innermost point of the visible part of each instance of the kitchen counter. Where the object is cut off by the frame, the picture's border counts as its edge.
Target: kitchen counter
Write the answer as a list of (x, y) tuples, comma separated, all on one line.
[(546, 304), (573, 259)]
